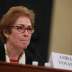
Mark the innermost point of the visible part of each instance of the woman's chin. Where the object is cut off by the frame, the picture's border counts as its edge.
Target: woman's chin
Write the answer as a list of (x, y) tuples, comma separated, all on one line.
[(23, 45)]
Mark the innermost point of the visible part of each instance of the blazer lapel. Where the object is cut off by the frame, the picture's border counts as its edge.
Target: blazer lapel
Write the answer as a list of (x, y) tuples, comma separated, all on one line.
[(2, 52)]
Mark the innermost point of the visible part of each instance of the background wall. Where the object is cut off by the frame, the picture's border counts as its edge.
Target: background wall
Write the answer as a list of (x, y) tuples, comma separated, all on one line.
[(61, 30)]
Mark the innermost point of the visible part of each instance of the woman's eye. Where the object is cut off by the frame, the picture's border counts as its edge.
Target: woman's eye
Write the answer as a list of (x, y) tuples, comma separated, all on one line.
[(19, 27), (29, 28)]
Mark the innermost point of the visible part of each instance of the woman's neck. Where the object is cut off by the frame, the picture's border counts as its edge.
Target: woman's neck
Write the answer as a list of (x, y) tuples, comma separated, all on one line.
[(13, 52)]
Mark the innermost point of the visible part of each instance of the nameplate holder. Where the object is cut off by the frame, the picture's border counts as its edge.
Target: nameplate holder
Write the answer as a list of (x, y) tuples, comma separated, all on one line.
[(61, 61)]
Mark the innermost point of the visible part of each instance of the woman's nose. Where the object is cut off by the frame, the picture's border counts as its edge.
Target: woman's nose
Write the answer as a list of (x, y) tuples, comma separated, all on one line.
[(26, 33)]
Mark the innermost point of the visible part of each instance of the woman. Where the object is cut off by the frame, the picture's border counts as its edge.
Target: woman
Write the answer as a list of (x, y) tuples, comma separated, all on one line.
[(16, 28)]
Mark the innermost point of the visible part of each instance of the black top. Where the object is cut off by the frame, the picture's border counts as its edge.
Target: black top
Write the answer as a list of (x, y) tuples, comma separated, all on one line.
[(29, 56)]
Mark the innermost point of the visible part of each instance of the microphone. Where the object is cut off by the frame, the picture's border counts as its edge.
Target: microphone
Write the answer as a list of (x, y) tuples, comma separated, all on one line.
[(35, 63)]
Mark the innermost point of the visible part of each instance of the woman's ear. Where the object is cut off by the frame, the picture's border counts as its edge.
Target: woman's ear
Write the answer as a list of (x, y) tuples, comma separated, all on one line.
[(5, 34)]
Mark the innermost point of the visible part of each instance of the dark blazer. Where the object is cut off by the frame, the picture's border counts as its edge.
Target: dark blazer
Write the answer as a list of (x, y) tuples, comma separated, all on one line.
[(29, 56)]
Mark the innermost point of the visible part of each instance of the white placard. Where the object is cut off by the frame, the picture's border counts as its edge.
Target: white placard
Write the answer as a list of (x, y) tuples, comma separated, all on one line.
[(61, 61)]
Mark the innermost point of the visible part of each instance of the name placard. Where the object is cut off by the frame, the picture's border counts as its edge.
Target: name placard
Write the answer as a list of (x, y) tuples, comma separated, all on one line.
[(61, 61)]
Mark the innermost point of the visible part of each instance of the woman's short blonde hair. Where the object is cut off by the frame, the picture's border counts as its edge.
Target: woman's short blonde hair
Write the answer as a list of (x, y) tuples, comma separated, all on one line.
[(11, 16)]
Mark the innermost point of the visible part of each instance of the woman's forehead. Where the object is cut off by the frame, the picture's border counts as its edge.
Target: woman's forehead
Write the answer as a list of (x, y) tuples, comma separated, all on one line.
[(23, 20)]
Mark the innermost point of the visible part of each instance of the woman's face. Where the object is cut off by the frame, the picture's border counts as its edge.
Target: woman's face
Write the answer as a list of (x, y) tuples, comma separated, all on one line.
[(21, 33)]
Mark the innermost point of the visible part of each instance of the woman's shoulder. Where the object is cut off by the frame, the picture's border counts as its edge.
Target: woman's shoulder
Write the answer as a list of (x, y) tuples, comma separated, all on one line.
[(2, 51), (34, 57)]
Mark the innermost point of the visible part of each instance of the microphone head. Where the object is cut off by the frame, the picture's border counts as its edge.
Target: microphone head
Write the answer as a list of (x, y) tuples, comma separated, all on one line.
[(35, 63)]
